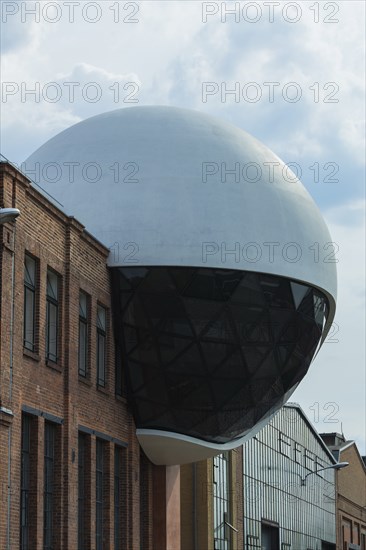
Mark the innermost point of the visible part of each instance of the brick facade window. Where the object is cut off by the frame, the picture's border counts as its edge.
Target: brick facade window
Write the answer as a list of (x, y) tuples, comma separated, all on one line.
[(29, 328), (83, 333), (82, 494), (52, 314), (118, 371), (25, 483), (221, 500), (101, 344), (49, 485), (99, 494), (145, 504), (118, 497)]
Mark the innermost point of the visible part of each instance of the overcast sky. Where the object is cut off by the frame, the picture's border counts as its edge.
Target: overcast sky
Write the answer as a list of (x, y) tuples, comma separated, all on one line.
[(298, 69)]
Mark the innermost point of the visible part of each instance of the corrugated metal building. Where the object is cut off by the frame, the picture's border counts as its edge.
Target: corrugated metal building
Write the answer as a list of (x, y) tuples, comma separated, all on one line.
[(279, 511), (255, 497)]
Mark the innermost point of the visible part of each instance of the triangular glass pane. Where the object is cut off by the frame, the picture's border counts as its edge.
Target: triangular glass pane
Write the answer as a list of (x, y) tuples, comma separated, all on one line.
[(142, 375), (225, 391), (268, 367), (254, 355), (291, 331), (30, 270), (52, 284), (147, 410), (83, 305), (276, 291), (196, 395), (101, 318), (181, 277), (130, 337), (252, 324), (157, 281), (220, 328), (123, 282), (205, 285), (306, 308), (240, 399), (249, 291), (171, 347), (201, 312), (176, 325), (134, 275), (125, 297), (145, 352), (215, 352), (233, 366), (227, 281), (298, 292), (188, 363), (283, 354), (319, 310), (134, 314), (279, 320)]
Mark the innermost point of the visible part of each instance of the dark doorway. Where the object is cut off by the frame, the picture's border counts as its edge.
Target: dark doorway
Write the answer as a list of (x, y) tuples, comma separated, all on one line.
[(270, 537)]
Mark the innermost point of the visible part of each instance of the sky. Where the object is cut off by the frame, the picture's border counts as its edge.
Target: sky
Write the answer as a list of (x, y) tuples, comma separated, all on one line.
[(295, 71)]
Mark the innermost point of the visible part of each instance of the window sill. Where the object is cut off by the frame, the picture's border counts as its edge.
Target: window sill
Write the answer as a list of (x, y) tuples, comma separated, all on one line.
[(120, 398), (85, 380), (53, 366), (31, 355), (6, 417), (103, 389)]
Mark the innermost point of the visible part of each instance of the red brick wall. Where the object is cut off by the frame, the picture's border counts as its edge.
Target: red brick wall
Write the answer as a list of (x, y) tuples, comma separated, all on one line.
[(59, 242), (351, 498)]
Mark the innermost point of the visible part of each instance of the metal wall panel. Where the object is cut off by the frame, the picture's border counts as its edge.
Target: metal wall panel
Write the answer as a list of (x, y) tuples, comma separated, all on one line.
[(274, 461)]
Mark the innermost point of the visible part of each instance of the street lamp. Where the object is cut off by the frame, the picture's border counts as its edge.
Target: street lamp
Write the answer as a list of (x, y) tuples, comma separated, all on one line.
[(337, 466), (8, 215)]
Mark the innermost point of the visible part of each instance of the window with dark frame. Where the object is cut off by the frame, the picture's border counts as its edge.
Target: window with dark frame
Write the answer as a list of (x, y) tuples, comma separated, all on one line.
[(118, 370), (29, 331), (83, 334), (101, 344), (99, 493), (221, 501), (52, 316), (81, 491), (118, 497), (144, 501), (25, 483), (49, 485)]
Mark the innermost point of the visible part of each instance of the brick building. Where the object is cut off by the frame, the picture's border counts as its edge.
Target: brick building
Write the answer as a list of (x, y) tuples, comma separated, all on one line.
[(72, 474), (351, 493)]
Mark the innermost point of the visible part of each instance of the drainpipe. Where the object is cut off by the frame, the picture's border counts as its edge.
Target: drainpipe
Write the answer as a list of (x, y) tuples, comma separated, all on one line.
[(10, 387), (194, 505)]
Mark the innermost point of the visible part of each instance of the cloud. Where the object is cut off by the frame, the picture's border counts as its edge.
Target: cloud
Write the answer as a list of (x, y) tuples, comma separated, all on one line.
[(14, 35), (67, 99)]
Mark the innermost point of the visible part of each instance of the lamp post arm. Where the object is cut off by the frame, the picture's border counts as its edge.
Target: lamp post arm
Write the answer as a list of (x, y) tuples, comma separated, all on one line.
[(333, 467)]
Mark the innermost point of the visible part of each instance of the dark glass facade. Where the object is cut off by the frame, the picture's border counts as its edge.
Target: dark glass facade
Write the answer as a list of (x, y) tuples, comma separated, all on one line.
[(208, 352)]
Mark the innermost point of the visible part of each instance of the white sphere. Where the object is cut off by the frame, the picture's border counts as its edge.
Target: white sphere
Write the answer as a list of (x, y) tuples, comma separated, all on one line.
[(162, 186)]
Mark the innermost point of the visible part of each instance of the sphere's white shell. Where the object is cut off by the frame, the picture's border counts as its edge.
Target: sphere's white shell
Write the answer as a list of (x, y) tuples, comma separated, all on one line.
[(170, 212)]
